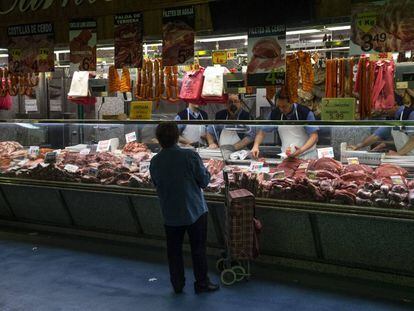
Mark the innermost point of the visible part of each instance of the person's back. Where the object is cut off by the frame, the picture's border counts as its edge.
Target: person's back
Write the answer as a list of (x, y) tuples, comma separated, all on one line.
[(179, 175), (176, 174)]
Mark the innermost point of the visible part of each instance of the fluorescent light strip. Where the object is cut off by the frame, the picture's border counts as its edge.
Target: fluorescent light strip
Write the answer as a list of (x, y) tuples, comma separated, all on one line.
[(348, 27), (243, 37), (302, 32), (106, 48), (4, 55)]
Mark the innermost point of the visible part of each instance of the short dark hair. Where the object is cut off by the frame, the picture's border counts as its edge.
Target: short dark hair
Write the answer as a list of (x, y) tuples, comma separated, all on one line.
[(167, 134), (283, 93)]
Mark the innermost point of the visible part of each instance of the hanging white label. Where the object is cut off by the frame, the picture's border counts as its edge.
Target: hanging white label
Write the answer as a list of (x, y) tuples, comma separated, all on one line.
[(352, 161), (85, 151), (130, 137), (34, 151), (327, 152), (144, 166), (30, 105), (55, 105), (103, 146), (71, 168)]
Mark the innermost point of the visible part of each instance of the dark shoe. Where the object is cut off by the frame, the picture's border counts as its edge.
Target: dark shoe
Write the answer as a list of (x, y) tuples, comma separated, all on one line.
[(206, 289)]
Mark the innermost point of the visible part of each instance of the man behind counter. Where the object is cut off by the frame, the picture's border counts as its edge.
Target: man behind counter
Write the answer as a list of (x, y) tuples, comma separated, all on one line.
[(192, 134), (403, 138), (303, 139), (219, 135)]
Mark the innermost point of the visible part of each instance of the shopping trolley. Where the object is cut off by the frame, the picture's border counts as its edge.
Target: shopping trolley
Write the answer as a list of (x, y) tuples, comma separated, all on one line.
[(239, 231)]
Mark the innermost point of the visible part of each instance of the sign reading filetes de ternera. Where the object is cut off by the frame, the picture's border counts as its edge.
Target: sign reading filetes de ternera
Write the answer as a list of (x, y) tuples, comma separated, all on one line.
[(36, 5)]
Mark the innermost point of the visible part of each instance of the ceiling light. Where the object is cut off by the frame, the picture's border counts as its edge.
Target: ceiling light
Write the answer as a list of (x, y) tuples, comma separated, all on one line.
[(302, 32), (4, 55), (348, 27), (106, 48), (230, 38), (62, 51)]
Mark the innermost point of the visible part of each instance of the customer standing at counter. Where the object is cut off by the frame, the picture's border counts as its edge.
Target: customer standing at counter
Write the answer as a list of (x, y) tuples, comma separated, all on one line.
[(219, 135), (403, 137), (179, 175), (302, 138), (192, 134)]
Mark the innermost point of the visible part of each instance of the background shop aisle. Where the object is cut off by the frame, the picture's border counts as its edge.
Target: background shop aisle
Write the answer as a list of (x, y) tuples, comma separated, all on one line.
[(39, 277)]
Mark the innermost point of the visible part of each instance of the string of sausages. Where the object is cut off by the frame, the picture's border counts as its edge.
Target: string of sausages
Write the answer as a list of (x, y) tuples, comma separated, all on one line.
[(339, 77), (13, 84)]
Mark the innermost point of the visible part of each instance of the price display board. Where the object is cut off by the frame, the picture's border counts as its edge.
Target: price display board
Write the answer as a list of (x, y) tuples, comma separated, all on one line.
[(219, 57), (338, 109), (141, 110)]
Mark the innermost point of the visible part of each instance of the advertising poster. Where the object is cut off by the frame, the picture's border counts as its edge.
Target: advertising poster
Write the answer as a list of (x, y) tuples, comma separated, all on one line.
[(178, 36), (382, 26), (31, 48), (82, 36), (267, 55), (128, 40)]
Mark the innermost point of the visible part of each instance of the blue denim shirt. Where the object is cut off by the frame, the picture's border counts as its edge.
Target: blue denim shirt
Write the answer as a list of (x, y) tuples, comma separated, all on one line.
[(179, 175)]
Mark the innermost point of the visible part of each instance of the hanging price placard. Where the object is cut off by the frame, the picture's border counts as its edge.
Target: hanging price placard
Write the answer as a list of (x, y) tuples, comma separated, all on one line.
[(141, 110), (219, 57), (333, 109)]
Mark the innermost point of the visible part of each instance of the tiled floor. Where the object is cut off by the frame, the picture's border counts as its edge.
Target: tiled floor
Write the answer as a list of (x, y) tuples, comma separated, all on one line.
[(37, 277)]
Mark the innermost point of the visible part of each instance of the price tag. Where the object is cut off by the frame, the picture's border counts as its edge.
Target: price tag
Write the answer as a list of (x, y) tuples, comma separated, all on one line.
[(219, 57), (325, 153), (303, 166), (103, 146), (44, 53), (141, 110), (55, 105), (333, 109), (365, 21), (130, 137), (34, 151), (256, 166), (402, 85), (93, 171), (242, 90), (144, 166), (85, 151), (16, 54), (128, 162), (30, 105), (231, 54), (280, 175), (23, 162), (71, 168), (311, 175), (50, 157), (397, 180), (352, 161)]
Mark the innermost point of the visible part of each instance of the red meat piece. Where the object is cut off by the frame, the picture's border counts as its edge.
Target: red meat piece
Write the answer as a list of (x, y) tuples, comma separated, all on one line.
[(388, 170), (358, 167), (326, 164)]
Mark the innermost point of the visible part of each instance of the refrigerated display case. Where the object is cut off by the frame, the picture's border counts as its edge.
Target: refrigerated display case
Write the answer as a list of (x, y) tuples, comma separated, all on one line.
[(82, 177)]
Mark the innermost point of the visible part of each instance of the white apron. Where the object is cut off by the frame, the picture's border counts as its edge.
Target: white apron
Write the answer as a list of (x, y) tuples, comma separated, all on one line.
[(296, 136), (401, 138), (193, 133), (228, 137)]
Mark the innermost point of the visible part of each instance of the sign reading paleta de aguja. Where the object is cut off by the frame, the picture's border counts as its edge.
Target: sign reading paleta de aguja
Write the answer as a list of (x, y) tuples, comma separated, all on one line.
[(36, 5)]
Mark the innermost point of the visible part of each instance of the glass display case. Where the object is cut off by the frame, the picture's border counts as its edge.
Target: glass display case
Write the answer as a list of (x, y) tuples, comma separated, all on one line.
[(118, 153)]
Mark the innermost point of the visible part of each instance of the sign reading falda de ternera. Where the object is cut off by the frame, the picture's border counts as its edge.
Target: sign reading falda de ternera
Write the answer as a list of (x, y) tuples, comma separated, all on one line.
[(31, 48), (382, 26), (128, 40), (178, 36), (267, 55), (82, 36)]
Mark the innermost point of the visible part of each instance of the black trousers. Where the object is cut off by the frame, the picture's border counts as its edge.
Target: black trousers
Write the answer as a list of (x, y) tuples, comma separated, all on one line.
[(197, 234)]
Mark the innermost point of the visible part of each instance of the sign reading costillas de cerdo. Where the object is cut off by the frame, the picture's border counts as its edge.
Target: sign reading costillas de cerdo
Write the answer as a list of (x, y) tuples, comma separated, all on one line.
[(31, 48), (338, 109), (267, 56)]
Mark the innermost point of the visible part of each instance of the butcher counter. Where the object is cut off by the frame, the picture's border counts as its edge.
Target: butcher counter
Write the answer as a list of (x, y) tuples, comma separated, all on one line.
[(366, 242)]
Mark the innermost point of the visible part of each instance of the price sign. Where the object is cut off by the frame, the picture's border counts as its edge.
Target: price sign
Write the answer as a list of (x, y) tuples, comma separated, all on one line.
[(397, 180), (50, 157), (402, 85), (219, 57), (280, 175), (130, 137), (231, 54), (93, 171), (128, 162), (16, 54), (144, 166), (141, 110), (44, 53), (71, 168), (55, 105), (256, 166), (352, 161), (303, 166), (85, 151), (325, 153), (34, 151), (334, 109), (365, 21), (311, 175), (103, 146), (30, 105)]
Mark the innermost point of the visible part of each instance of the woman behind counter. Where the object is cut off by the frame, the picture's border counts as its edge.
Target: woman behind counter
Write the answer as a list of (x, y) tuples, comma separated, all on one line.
[(303, 139)]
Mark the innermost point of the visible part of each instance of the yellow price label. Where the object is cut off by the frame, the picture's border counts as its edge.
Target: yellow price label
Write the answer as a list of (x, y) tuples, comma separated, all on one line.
[(365, 21), (141, 110), (44, 53), (231, 54), (219, 57), (16, 54)]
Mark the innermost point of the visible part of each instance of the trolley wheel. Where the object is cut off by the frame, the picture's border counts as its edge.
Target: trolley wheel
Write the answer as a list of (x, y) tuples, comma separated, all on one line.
[(240, 272), (220, 265), (228, 277)]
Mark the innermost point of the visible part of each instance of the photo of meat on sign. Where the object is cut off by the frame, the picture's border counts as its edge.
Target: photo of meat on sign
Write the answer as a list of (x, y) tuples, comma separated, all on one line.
[(267, 54)]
